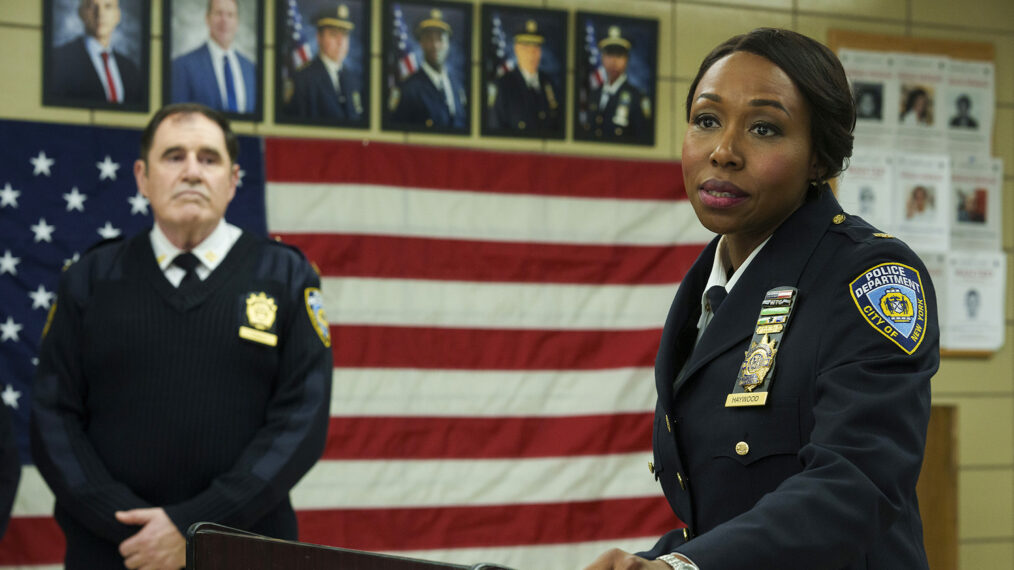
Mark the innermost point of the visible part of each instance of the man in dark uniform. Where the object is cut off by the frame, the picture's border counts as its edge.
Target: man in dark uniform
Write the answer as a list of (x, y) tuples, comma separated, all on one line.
[(432, 97), (184, 373), (87, 69), (323, 88), (619, 110), (525, 99)]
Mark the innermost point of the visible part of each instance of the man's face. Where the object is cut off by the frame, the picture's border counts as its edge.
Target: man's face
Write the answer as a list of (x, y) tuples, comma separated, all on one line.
[(189, 178), (528, 56), (434, 44), (223, 19), (100, 18), (615, 64), (333, 42)]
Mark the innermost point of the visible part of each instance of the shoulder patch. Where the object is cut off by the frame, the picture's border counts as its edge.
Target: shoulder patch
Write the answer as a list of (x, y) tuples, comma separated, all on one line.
[(890, 297), (315, 308)]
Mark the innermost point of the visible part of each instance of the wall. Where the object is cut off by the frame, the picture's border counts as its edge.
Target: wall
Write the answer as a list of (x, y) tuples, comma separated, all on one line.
[(982, 388)]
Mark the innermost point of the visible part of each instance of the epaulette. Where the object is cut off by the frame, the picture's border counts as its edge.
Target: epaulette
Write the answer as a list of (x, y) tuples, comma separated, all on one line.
[(856, 228)]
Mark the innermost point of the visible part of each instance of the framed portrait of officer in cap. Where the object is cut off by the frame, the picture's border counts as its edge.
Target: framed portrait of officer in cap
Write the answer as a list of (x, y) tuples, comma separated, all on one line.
[(426, 67), (212, 55), (615, 70), (322, 62), (524, 72)]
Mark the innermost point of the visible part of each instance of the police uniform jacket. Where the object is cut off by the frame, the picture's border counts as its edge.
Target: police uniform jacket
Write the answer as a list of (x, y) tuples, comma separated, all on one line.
[(624, 116), (422, 103), (314, 95), (528, 111), (823, 476)]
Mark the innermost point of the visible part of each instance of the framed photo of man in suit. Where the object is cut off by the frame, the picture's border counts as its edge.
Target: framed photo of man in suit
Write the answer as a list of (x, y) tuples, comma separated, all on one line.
[(322, 62), (615, 71), (212, 55), (524, 71), (427, 71), (95, 54)]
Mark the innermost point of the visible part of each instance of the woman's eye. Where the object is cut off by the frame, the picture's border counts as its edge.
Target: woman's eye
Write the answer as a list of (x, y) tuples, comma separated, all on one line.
[(705, 121), (765, 130)]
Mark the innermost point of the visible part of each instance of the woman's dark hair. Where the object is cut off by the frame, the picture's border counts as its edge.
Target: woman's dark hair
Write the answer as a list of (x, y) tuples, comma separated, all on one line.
[(911, 98), (820, 78)]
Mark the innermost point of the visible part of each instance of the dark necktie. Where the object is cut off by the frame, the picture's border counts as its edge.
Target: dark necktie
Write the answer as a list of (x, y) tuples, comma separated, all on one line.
[(230, 88), (187, 262), (716, 295)]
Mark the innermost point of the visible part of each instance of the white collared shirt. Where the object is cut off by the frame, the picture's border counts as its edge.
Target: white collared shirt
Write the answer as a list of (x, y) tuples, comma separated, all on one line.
[(443, 82), (217, 55), (610, 89), (719, 276), (532, 79), (332, 67), (95, 51), (209, 252)]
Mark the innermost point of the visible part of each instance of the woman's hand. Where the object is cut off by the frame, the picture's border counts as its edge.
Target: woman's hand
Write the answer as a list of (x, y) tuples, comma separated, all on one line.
[(616, 559)]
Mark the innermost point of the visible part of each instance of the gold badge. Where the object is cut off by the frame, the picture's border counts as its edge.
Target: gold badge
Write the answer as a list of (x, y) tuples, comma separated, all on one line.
[(758, 361), (261, 311), (839, 219)]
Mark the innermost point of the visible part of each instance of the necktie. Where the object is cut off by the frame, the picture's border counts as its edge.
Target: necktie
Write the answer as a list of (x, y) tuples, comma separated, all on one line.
[(716, 295), (187, 262), (113, 97), (230, 87)]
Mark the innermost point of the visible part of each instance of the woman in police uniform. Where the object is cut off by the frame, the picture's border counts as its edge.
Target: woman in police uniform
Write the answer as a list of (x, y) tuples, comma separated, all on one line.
[(793, 370)]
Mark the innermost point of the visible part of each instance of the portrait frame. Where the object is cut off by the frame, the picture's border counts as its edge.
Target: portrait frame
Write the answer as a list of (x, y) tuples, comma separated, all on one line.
[(70, 79), (510, 108), (187, 71), (404, 94), (297, 50), (626, 119)]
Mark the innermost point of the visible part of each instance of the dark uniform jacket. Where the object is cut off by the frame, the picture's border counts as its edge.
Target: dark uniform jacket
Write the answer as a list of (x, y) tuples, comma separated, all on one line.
[(315, 97), (527, 111), (74, 75), (823, 476), (626, 116), (149, 396), (422, 103)]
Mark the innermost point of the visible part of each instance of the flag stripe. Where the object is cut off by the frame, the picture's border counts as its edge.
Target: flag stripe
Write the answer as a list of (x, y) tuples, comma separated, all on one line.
[(491, 349), (32, 540), (400, 437), (486, 171), (490, 393), (409, 211), (462, 527), (396, 257), (367, 301)]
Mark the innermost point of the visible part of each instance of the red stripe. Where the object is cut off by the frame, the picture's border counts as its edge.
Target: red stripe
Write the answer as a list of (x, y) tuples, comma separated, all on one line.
[(403, 437), (491, 349), (329, 161), (487, 526), (463, 260), (32, 540)]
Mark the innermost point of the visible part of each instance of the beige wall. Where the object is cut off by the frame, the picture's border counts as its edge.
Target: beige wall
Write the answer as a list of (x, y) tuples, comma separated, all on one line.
[(982, 388)]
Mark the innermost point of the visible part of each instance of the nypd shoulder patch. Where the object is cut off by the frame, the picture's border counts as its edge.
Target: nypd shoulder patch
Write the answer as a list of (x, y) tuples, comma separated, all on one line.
[(890, 297), (315, 308)]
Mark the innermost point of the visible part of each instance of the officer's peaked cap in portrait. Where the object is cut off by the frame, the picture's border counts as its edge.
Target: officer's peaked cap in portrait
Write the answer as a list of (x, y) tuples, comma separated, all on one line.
[(529, 34), (614, 41), (434, 22), (335, 18)]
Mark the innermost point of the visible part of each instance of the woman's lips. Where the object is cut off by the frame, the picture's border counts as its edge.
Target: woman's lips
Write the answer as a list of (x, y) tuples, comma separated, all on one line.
[(720, 194)]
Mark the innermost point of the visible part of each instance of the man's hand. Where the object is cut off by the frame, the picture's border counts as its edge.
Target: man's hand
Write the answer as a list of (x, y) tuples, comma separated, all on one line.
[(617, 559), (157, 546)]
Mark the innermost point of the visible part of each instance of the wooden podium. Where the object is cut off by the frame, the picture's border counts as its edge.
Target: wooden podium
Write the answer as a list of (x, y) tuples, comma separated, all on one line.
[(215, 547)]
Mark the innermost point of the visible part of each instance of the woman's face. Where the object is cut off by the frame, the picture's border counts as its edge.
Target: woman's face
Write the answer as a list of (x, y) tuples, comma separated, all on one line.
[(747, 154)]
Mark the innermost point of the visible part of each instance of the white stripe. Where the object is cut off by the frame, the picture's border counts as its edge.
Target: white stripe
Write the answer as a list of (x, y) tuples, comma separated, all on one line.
[(455, 482), (560, 556), (413, 302), (388, 210), (34, 499), (470, 393)]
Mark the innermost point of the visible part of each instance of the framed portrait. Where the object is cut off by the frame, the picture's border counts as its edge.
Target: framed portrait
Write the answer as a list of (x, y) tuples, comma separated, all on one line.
[(426, 67), (212, 55), (322, 58), (615, 71), (524, 71), (95, 54)]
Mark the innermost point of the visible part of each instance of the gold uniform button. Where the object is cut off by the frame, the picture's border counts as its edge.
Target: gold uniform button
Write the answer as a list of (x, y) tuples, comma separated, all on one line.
[(521, 125), (429, 122), (651, 467), (619, 131), (742, 448), (840, 218), (599, 119)]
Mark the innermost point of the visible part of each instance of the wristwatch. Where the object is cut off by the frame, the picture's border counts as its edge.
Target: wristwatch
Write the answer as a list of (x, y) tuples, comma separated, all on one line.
[(677, 563)]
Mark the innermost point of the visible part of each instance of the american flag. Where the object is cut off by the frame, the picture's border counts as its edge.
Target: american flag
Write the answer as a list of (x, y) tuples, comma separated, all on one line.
[(596, 73), (502, 61), (405, 62), (299, 48), (494, 322)]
